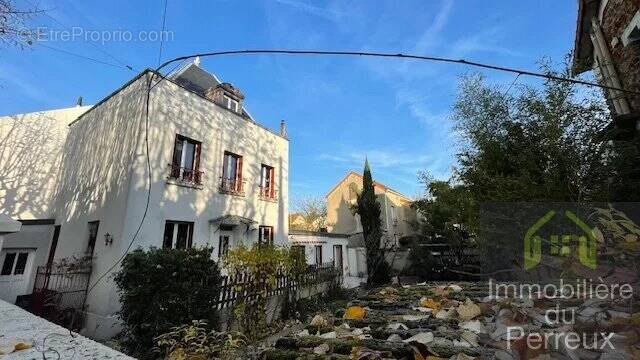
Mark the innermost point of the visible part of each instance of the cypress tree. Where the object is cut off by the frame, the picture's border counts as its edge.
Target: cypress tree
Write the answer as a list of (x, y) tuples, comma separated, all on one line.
[(369, 211)]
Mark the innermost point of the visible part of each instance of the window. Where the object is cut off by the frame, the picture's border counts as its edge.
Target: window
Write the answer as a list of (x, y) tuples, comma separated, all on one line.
[(11, 266), (394, 218), (93, 235), (177, 235), (265, 235), (223, 246), (185, 164), (230, 104), (267, 182), (631, 34), (231, 174), (318, 255), (337, 256), (21, 264)]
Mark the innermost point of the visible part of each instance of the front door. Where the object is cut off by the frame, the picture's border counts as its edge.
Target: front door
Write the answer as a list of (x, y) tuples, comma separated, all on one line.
[(15, 272), (337, 256), (224, 242)]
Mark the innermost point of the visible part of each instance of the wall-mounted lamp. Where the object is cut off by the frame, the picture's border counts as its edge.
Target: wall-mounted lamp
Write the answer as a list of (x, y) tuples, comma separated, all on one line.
[(108, 239)]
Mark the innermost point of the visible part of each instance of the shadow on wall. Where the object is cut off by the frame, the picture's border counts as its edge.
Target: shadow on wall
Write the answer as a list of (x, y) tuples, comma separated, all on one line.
[(30, 155)]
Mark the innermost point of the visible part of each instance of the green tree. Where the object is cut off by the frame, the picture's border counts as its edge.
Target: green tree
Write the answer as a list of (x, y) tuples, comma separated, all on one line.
[(529, 144), (369, 210)]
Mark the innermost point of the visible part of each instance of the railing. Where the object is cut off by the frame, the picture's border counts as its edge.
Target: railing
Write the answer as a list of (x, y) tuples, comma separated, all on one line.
[(243, 287), (231, 186), (59, 295), (185, 175), (267, 193)]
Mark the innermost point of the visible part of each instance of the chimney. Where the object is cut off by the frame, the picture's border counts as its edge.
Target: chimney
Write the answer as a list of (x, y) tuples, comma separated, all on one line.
[(79, 101), (283, 129), (226, 95)]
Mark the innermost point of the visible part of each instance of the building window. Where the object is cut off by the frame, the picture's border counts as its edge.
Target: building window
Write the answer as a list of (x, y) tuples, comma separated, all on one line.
[(185, 165), (230, 104), (223, 246), (265, 235), (631, 34), (231, 174), (318, 255), (394, 217), (267, 182), (177, 235), (11, 266), (93, 235)]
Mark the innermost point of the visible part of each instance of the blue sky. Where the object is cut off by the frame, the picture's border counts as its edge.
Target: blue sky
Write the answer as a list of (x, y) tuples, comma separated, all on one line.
[(338, 110)]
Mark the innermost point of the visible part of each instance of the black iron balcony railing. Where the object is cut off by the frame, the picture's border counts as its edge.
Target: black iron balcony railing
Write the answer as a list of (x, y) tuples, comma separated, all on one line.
[(267, 193), (189, 176), (232, 186)]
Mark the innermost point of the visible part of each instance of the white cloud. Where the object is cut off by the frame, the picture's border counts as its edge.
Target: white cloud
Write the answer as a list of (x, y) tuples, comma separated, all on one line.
[(328, 14)]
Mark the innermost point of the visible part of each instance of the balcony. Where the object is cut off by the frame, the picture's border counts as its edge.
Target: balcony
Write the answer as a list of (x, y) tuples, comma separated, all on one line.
[(183, 176), (267, 194), (231, 186)]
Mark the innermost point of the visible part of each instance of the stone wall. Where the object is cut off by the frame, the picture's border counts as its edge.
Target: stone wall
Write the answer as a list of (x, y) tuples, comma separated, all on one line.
[(616, 17)]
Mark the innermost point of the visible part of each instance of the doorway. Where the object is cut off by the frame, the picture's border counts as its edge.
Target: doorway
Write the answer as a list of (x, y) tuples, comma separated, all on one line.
[(15, 271)]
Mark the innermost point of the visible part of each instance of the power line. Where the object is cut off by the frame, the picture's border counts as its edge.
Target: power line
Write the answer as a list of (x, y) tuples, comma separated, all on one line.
[(164, 18), (81, 56), (156, 72), (124, 64), (399, 55)]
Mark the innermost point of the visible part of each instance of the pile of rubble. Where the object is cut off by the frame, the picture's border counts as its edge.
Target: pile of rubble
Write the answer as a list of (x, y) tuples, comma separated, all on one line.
[(463, 321)]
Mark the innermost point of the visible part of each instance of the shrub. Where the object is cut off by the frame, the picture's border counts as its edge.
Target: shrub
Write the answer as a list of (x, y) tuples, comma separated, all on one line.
[(164, 288), (263, 263), (199, 341)]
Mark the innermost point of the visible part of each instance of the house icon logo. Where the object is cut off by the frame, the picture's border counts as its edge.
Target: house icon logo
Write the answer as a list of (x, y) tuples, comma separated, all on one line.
[(560, 244)]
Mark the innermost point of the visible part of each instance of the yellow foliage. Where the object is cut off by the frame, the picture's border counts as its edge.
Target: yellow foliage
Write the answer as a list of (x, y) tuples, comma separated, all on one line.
[(431, 304), (355, 313)]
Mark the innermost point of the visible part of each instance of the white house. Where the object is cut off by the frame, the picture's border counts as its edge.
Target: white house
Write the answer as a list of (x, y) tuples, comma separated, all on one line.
[(216, 178)]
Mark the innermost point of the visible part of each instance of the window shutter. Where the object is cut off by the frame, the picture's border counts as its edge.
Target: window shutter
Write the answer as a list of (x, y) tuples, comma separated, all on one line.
[(272, 183), (177, 151), (196, 155), (239, 174), (225, 163)]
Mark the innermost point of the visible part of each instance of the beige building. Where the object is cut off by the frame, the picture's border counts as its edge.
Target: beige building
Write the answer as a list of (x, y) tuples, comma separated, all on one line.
[(217, 178), (396, 212)]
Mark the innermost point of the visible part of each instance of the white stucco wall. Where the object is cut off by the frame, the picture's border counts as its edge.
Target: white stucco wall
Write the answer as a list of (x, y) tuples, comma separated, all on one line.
[(309, 241), (31, 148), (105, 179)]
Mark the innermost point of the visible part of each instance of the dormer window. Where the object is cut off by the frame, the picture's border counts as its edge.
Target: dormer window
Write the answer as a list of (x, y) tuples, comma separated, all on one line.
[(230, 104), (226, 95)]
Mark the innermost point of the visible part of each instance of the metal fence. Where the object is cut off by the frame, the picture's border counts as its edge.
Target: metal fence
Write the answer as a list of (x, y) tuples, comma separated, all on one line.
[(59, 295)]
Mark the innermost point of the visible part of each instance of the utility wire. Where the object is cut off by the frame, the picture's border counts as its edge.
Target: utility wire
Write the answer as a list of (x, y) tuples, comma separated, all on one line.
[(397, 55), (124, 64), (164, 18), (81, 56), (156, 72)]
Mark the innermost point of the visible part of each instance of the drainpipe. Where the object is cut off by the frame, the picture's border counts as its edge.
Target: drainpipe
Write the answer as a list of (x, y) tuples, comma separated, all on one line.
[(610, 72)]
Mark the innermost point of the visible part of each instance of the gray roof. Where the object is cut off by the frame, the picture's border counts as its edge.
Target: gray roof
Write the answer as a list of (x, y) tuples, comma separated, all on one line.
[(194, 78)]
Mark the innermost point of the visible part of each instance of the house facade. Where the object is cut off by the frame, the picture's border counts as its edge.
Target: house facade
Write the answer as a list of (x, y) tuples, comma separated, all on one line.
[(608, 42), (397, 215), (197, 171)]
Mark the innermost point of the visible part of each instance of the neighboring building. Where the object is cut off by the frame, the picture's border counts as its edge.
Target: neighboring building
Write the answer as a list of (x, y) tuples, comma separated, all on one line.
[(31, 152), (396, 213), (608, 41), (298, 221), (217, 178), (323, 247)]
